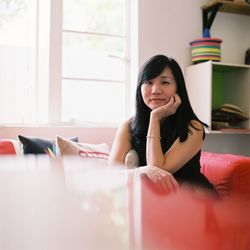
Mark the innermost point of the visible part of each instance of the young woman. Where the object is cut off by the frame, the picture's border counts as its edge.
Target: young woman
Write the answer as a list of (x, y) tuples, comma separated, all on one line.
[(164, 132)]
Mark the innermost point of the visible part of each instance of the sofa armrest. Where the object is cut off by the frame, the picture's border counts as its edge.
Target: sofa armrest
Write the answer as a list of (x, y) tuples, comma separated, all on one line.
[(230, 174)]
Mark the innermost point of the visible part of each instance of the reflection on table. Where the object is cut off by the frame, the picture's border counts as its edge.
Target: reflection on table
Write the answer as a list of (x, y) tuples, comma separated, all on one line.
[(62, 204)]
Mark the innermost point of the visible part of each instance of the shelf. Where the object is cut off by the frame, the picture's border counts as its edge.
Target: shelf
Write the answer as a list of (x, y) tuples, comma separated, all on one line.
[(235, 65), (230, 131), (212, 84), (229, 7), (229, 67), (210, 10)]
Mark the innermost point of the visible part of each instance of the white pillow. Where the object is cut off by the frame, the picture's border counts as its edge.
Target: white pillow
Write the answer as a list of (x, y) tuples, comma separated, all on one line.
[(98, 153)]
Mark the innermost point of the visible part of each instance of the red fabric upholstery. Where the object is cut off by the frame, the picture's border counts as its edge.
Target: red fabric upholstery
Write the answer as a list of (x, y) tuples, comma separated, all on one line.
[(187, 220), (191, 219), (230, 174), (7, 147)]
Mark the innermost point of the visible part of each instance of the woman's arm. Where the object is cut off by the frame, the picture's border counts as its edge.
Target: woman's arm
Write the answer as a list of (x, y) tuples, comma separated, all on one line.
[(154, 154), (121, 144), (179, 153)]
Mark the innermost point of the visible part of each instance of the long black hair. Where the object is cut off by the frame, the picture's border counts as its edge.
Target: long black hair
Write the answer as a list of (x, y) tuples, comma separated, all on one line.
[(181, 120)]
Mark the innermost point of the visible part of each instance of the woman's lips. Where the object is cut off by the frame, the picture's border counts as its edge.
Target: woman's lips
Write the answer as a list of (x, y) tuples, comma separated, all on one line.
[(157, 99)]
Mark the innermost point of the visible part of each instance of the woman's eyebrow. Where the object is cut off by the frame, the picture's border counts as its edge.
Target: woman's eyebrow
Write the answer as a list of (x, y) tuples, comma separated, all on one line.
[(170, 77)]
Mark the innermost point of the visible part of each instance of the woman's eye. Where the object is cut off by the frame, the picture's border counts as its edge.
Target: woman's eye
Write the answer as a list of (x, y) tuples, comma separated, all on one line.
[(165, 82), (148, 82)]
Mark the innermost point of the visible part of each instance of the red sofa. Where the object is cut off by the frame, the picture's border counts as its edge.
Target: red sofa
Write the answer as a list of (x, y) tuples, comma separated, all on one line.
[(230, 174), (188, 220)]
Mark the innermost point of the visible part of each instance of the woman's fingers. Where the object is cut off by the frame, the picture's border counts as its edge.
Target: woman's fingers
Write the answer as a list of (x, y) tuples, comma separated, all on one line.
[(174, 183), (171, 107), (177, 98), (168, 183), (162, 179)]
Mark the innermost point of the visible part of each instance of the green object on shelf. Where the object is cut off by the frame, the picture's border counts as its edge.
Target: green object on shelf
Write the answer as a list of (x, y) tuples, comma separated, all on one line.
[(217, 90)]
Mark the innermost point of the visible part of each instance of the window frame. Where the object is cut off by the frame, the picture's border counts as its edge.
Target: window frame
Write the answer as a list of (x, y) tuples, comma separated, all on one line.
[(55, 61)]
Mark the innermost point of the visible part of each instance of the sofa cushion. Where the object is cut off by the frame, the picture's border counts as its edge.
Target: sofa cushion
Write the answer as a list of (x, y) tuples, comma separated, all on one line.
[(202, 221), (230, 174), (9, 147), (35, 145), (97, 153)]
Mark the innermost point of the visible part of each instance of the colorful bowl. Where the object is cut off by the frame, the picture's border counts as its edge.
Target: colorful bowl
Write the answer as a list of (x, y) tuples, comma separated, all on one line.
[(205, 49)]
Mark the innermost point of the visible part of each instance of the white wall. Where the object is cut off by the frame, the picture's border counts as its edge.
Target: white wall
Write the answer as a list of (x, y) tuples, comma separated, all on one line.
[(167, 26), (235, 32)]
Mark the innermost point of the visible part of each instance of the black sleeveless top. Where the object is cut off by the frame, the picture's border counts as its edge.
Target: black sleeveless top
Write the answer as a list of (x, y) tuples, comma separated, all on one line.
[(189, 173)]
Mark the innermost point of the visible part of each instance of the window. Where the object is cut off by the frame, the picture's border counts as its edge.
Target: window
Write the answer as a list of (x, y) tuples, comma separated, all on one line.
[(24, 42), (70, 68)]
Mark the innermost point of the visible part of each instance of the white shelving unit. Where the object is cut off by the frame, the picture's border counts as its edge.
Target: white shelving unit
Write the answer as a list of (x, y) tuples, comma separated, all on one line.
[(211, 84)]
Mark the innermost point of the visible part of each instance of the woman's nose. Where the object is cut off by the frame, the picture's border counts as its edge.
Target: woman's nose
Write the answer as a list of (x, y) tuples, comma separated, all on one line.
[(156, 89)]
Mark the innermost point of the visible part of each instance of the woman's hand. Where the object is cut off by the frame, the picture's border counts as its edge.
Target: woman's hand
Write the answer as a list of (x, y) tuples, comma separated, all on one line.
[(162, 180), (167, 109)]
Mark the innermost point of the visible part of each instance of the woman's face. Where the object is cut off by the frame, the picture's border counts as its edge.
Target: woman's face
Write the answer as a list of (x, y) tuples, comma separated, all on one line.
[(158, 91)]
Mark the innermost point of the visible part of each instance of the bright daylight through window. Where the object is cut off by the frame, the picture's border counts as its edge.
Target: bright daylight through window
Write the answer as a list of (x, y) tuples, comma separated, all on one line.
[(63, 61)]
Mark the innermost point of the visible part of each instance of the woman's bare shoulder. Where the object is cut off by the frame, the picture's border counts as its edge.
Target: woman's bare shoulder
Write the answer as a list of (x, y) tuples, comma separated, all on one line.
[(196, 128), (195, 124), (125, 125), (124, 128)]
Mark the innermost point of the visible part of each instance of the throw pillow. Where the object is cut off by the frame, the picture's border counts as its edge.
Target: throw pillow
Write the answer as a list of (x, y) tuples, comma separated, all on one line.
[(9, 147), (35, 145), (94, 152)]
